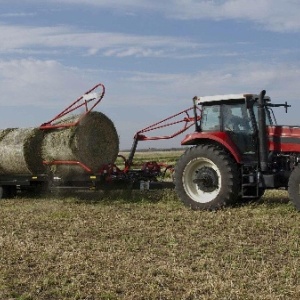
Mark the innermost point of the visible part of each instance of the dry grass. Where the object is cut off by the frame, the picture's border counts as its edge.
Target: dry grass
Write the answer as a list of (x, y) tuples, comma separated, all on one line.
[(147, 245)]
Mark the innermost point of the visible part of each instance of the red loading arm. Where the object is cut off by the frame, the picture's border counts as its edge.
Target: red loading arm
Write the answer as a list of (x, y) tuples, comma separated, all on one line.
[(187, 121), (88, 101)]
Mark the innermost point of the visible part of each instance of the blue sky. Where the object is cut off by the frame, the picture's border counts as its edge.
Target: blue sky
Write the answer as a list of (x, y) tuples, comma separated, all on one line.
[(152, 56)]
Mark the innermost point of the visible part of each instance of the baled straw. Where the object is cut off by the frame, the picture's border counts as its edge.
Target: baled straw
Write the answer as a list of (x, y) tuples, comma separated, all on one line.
[(20, 151), (93, 142)]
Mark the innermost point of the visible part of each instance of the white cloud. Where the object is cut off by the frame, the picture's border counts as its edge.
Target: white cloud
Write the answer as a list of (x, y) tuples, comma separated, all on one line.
[(134, 98), (17, 15), (25, 38), (41, 83), (137, 51), (281, 79), (62, 40), (273, 15)]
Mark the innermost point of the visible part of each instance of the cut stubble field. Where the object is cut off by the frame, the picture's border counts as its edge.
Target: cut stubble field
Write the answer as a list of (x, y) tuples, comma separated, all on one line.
[(147, 245)]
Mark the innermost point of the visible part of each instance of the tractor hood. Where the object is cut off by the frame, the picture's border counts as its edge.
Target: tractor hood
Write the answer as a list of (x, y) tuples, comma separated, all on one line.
[(284, 138)]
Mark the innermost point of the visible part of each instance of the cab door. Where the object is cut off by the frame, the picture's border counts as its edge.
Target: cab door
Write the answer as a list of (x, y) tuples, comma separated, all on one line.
[(236, 122)]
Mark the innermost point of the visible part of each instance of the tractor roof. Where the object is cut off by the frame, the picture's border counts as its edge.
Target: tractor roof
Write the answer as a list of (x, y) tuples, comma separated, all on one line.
[(229, 97)]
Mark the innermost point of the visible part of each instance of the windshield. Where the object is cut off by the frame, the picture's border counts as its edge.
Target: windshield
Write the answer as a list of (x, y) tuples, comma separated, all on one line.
[(210, 119)]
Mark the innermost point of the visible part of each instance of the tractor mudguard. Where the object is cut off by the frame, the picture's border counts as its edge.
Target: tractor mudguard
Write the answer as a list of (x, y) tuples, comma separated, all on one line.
[(222, 138)]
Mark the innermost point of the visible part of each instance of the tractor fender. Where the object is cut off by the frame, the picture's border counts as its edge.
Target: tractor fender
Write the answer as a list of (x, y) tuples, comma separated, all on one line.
[(221, 138)]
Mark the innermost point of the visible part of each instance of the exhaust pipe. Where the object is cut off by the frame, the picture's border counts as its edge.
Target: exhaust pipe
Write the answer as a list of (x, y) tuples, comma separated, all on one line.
[(262, 133)]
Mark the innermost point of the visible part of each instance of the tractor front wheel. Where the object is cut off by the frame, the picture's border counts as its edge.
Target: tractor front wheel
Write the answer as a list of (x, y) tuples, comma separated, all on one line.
[(294, 187), (206, 177)]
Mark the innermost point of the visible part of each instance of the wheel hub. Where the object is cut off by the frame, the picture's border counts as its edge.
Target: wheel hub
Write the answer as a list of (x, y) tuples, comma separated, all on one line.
[(206, 179)]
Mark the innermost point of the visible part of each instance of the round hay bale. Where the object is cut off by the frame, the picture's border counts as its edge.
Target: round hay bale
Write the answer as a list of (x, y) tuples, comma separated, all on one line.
[(4, 132), (20, 151), (93, 142)]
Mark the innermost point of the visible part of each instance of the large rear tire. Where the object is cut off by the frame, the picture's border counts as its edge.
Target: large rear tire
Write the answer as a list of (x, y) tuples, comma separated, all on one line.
[(294, 187), (206, 177)]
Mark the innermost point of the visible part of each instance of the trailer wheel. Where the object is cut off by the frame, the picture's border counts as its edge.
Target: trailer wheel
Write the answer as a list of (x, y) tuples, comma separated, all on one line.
[(294, 187), (206, 178), (8, 191)]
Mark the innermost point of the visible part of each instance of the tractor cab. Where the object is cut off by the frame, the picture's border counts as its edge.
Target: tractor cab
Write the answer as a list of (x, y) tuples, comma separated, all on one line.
[(232, 118), (244, 124), (234, 122)]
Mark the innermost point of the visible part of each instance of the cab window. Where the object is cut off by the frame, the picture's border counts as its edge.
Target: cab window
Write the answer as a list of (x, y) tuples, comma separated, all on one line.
[(236, 117), (210, 120)]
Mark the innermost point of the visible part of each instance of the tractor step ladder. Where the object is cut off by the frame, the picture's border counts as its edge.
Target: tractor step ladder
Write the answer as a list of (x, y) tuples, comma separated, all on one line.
[(250, 181)]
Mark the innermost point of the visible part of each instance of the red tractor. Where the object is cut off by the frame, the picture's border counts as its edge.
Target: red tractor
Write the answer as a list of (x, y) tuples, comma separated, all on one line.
[(239, 151)]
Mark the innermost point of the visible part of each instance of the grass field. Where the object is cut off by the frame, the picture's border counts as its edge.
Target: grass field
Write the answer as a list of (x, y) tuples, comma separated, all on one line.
[(147, 245)]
